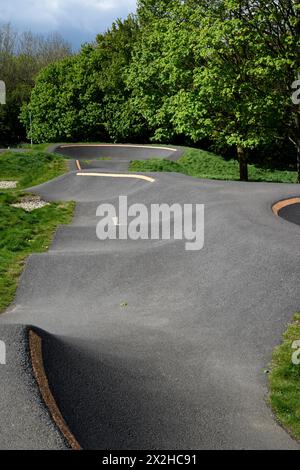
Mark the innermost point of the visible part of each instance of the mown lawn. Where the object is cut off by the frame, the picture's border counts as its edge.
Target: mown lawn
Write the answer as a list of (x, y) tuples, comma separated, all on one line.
[(21, 232), (202, 164), (284, 380)]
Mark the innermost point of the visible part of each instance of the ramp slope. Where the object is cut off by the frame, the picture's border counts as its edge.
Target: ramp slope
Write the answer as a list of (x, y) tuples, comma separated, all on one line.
[(116, 152), (30, 417)]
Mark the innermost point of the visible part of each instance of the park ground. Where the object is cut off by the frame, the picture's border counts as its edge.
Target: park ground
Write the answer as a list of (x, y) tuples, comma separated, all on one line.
[(23, 233)]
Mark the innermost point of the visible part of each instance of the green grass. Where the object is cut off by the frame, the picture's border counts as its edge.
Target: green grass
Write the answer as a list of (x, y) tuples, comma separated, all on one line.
[(35, 147), (31, 168), (284, 381), (88, 162), (23, 233), (202, 164)]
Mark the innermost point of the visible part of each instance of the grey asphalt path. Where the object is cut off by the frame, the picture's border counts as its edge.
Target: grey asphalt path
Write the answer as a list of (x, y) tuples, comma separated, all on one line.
[(25, 422), (113, 158), (154, 347)]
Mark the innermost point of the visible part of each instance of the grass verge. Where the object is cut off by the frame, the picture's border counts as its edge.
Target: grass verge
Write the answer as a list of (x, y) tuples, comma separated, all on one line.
[(202, 164), (31, 168), (21, 232), (35, 147), (284, 380)]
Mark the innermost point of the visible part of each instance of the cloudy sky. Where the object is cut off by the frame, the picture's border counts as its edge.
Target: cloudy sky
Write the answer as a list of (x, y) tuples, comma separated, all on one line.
[(77, 20)]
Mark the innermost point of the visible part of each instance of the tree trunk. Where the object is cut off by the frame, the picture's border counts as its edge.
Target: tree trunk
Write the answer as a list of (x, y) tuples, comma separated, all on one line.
[(242, 156)]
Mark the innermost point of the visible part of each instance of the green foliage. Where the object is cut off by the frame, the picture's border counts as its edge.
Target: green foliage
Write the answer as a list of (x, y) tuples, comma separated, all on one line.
[(217, 70), (21, 234), (61, 102), (284, 381), (22, 56), (216, 73), (84, 97), (120, 116)]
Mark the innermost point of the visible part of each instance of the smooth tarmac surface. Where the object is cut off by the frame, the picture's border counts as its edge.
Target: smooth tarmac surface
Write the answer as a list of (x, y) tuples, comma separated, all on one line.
[(155, 347)]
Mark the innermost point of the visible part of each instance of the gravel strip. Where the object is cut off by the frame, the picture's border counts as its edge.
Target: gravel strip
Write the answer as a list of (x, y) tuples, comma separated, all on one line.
[(8, 184), (30, 203)]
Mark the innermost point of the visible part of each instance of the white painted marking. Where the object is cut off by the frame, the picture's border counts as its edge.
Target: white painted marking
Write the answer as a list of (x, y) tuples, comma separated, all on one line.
[(119, 175), (119, 145)]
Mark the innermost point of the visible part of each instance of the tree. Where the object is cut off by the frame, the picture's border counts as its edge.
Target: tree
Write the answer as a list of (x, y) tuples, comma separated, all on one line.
[(278, 21), (217, 71), (21, 58), (162, 67), (239, 104), (66, 101), (85, 97), (236, 60), (121, 117)]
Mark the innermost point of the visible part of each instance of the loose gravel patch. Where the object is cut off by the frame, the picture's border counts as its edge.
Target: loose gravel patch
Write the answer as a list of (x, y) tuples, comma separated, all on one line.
[(8, 184), (30, 203)]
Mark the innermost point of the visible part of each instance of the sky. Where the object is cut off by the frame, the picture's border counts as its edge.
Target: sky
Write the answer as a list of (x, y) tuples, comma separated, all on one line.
[(78, 21)]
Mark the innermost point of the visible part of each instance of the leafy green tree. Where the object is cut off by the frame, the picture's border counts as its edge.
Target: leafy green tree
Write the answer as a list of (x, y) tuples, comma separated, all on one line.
[(21, 58), (121, 118), (162, 67), (66, 101), (278, 23), (216, 70), (239, 105), (85, 97), (253, 55)]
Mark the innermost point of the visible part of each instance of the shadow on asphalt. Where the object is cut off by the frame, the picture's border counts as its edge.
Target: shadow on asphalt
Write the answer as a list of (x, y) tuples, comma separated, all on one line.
[(291, 213), (101, 398)]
